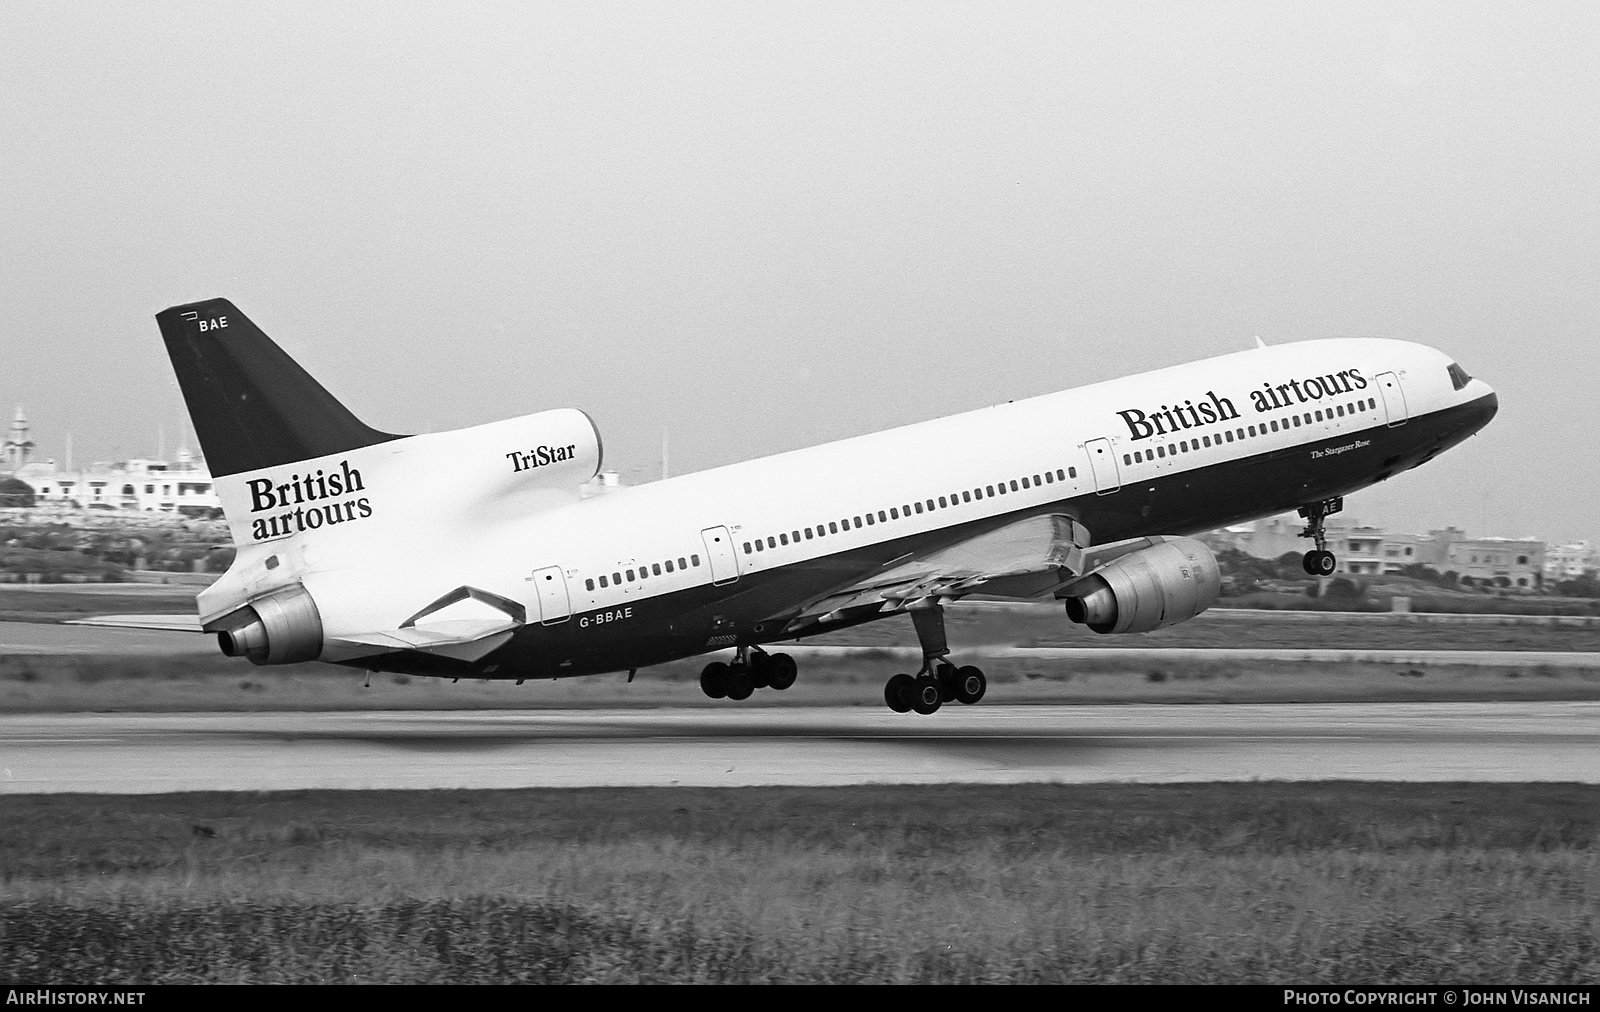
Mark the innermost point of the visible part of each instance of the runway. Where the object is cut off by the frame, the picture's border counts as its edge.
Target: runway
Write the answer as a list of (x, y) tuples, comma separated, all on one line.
[(153, 753)]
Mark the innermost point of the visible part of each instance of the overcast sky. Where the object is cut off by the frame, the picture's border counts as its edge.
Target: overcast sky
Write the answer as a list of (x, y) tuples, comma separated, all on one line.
[(762, 226)]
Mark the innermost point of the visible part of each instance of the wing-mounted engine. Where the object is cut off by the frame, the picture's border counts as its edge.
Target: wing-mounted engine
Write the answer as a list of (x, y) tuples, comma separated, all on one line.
[(282, 627), (1147, 584)]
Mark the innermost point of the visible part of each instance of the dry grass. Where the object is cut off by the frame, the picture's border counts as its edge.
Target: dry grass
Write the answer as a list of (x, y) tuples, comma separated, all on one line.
[(1202, 883)]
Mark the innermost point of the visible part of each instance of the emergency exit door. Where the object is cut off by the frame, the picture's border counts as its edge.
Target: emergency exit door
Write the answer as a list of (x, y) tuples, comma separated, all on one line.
[(1103, 465), (720, 554), (551, 586)]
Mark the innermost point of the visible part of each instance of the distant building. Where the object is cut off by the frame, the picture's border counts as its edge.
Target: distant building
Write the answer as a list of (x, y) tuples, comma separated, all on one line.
[(1367, 550), (1569, 562), (1496, 562), (184, 486), (18, 447)]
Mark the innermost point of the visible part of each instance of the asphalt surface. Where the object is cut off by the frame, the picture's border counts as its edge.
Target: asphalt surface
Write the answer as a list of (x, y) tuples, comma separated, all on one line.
[(153, 753)]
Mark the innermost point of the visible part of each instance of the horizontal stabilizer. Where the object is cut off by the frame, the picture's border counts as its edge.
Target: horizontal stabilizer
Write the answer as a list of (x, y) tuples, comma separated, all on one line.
[(168, 623)]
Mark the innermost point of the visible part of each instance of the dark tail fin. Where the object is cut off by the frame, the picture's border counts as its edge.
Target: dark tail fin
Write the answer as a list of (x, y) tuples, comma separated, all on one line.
[(252, 405)]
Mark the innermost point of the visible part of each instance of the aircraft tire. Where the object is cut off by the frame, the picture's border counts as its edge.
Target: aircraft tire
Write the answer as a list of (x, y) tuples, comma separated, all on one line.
[(1319, 563), (970, 685), (760, 670), (946, 674), (714, 680), (897, 693), (781, 672), (739, 684), (926, 695)]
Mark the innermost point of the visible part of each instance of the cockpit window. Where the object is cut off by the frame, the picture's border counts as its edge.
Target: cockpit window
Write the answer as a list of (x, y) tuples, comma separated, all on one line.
[(1458, 376)]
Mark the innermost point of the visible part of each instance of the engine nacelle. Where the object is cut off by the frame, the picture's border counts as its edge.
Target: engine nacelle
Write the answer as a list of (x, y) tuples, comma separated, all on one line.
[(282, 627), (1170, 581)]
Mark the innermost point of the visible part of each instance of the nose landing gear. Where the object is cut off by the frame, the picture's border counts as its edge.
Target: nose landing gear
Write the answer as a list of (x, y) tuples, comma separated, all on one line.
[(1319, 562), (938, 682)]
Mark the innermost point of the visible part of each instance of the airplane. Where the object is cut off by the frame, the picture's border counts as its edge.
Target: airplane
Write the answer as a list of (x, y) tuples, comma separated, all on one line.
[(474, 553)]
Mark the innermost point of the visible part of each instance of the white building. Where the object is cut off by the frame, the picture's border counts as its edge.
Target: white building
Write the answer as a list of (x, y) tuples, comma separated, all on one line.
[(184, 486)]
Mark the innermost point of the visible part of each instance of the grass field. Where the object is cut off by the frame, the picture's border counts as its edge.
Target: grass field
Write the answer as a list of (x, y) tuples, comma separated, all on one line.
[(1215, 882), (42, 682)]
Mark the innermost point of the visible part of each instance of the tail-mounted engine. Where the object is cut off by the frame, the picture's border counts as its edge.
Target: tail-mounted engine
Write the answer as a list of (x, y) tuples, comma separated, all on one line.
[(1170, 581), (282, 627)]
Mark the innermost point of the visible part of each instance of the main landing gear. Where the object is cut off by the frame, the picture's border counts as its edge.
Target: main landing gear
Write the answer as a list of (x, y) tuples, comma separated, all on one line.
[(1320, 562), (939, 681), (752, 669)]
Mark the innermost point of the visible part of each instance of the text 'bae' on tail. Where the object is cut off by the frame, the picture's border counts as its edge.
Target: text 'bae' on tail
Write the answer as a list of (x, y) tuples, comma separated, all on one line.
[(252, 405)]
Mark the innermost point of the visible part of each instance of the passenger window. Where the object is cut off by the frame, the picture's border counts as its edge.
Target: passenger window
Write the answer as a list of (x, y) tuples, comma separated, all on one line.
[(1340, 408), (1161, 451), (894, 514), (930, 505), (1013, 484), (941, 502), (1072, 472), (603, 582), (858, 523), (966, 497), (644, 573), (759, 546), (616, 578), (1319, 416), (1127, 459), (833, 528), (1206, 440), (870, 520), (883, 517), (747, 548), (1308, 418), (1036, 479), (783, 539), (1049, 478), (808, 534), (989, 489), (588, 584), (796, 536), (772, 542), (655, 567), (1024, 481), (918, 507), (693, 558), (681, 564), (669, 565), (1229, 435), (1274, 424)]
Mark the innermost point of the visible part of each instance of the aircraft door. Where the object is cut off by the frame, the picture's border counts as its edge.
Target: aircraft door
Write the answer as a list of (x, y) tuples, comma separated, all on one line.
[(719, 552), (551, 584), (1394, 398), (1103, 465)]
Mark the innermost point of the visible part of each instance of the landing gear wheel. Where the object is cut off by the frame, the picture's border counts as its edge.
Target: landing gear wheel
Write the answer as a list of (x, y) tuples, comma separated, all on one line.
[(714, 680), (970, 685), (926, 695), (781, 671), (760, 668), (897, 693), (738, 683), (1319, 563)]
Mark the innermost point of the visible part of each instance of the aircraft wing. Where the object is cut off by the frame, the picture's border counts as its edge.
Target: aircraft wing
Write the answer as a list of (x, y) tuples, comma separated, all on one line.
[(1027, 559)]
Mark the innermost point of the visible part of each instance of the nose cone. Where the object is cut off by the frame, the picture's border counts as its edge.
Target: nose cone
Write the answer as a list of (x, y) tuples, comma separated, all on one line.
[(1481, 411)]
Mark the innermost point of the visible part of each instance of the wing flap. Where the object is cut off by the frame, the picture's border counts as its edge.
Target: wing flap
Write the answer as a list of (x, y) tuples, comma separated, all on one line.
[(1026, 559)]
